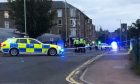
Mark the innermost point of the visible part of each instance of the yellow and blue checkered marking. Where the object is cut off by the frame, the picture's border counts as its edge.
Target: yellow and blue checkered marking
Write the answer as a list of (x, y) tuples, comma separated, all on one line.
[(28, 48)]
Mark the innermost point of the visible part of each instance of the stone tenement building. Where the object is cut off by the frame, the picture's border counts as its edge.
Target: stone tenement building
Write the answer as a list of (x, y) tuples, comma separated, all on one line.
[(68, 18)]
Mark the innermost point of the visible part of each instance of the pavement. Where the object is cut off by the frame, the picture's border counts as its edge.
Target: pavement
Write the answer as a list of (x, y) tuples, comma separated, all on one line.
[(112, 68)]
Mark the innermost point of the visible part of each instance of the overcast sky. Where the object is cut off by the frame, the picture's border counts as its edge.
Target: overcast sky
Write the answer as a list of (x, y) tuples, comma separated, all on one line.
[(108, 13)]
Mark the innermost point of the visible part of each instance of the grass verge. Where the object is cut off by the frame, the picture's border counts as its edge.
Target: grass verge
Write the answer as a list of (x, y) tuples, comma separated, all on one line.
[(136, 69), (134, 66)]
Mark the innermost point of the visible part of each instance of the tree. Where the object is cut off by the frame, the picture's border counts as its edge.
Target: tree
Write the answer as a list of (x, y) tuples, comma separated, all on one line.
[(137, 27), (39, 16), (103, 35), (134, 30)]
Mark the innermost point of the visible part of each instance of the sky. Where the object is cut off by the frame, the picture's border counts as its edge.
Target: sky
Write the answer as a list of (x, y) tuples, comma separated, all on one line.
[(108, 14)]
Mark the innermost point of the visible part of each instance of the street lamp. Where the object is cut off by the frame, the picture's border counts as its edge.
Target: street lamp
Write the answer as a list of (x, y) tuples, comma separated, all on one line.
[(120, 29), (25, 18)]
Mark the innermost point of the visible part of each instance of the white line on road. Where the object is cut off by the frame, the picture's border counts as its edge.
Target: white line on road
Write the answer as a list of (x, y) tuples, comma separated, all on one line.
[(119, 54), (82, 76)]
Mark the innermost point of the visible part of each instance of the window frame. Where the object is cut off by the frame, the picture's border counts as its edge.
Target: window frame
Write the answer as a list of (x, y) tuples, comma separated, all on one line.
[(6, 14), (59, 13), (22, 42), (60, 23), (34, 40)]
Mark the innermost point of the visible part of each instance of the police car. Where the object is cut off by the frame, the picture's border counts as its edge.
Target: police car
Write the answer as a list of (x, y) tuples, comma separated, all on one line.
[(16, 46), (105, 46)]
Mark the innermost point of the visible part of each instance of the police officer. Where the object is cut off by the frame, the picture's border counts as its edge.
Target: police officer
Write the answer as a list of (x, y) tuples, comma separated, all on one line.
[(82, 45), (76, 44)]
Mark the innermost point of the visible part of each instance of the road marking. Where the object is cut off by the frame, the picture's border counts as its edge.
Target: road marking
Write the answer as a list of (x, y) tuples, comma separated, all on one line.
[(119, 53), (97, 57), (82, 77), (70, 77)]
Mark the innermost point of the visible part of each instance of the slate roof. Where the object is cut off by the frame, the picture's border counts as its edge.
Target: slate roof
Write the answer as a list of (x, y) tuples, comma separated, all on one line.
[(55, 4), (61, 4)]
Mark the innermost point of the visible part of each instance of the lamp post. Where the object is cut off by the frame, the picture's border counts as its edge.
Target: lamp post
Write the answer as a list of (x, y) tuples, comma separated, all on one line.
[(120, 30), (25, 18), (66, 19), (66, 32), (66, 23)]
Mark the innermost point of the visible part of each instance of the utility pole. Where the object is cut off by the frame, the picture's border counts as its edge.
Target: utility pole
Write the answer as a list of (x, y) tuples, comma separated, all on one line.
[(66, 20), (25, 18), (120, 32)]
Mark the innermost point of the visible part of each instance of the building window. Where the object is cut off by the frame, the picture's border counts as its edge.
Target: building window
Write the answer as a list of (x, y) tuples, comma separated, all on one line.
[(6, 24), (73, 22), (59, 23), (6, 14), (73, 32), (78, 22), (72, 12), (59, 13), (59, 31)]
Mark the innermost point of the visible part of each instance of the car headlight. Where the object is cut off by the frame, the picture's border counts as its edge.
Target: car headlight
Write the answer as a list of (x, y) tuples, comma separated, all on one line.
[(59, 47)]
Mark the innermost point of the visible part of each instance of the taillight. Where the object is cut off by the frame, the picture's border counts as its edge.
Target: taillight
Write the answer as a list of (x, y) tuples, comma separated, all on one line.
[(2, 45)]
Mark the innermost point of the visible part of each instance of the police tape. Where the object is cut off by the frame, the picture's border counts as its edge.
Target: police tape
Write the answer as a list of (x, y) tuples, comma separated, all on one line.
[(79, 47), (98, 45)]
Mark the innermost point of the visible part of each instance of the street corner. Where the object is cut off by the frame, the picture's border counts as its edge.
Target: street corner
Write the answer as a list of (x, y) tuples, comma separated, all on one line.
[(116, 71), (77, 75)]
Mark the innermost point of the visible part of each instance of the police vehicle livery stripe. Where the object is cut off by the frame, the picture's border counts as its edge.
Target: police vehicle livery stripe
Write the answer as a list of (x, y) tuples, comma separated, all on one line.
[(22, 50), (46, 46), (28, 48), (37, 50), (14, 45), (6, 50)]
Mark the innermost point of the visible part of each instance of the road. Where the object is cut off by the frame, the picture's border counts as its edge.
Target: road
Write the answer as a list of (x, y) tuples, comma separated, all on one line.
[(41, 69)]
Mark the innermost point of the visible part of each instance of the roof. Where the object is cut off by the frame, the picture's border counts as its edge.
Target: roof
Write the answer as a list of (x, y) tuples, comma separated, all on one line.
[(55, 4), (61, 4), (4, 6), (48, 37)]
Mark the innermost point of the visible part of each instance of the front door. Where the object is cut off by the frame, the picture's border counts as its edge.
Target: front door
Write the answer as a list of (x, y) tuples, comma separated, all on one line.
[(35, 46)]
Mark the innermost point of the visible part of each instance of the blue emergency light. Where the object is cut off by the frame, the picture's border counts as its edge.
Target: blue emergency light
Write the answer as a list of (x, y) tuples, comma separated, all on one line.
[(114, 45)]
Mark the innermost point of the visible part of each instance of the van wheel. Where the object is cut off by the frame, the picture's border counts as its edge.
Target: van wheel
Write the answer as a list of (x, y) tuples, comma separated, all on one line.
[(14, 52)]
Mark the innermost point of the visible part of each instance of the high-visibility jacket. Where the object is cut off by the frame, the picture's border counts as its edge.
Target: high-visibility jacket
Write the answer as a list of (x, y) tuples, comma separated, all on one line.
[(81, 41), (76, 41), (84, 42)]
